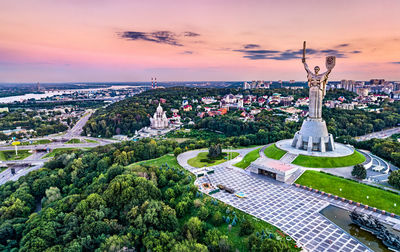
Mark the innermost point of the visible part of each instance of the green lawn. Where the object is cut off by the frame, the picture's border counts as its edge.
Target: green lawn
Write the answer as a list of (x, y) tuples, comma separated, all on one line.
[(59, 150), (166, 159), (74, 141), (202, 160), (274, 152), (3, 169), (90, 140), (42, 141), (10, 155), (351, 190), (250, 157), (246, 147), (329, 162), (238, 242)]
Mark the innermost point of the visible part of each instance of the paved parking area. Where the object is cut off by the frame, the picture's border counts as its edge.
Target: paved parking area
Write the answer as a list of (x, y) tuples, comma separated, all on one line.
[(286, 207)]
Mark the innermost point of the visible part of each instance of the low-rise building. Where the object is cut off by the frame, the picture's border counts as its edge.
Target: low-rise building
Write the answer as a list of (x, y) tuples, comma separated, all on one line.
[(273, 169), (187, 108), (208, 100)]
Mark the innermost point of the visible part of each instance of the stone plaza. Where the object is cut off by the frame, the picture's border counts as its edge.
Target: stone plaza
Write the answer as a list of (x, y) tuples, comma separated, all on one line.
[(294, 212)]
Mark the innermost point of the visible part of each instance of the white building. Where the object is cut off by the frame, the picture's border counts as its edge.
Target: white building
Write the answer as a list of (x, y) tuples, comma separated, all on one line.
[(208, 100), (273, 168), (159, 120)]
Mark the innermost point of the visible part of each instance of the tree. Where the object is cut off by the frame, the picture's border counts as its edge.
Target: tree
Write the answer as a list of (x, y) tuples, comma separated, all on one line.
[(359, 171), (177, 151), (246, 228), (194, 228), (115, 243), (217, 218), (52, 194), (203, 213), (214, 151), (394, 178), (189, 246), (212, 239)]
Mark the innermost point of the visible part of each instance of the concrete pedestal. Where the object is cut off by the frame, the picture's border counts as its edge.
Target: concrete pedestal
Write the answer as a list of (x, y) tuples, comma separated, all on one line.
[(313, 136)]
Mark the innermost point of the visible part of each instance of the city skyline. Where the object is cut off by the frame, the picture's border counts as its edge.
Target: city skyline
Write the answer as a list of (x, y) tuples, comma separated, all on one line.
[(181, 40)]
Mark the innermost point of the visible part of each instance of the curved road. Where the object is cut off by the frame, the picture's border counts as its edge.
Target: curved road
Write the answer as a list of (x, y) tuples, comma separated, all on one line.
[(184, 157)]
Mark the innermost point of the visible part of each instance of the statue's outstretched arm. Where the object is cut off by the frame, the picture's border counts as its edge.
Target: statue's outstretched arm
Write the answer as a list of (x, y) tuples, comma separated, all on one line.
[(306, 67), (326, 74)]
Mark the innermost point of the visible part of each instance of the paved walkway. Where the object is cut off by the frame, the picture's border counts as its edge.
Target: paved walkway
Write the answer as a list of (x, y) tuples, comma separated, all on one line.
[(291, 209), (184, 157)]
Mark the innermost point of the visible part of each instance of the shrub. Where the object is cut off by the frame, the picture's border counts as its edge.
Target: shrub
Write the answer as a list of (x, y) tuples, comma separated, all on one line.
[(203, 213), (246, 228), (197, 203), (177, 151), (217, 219)]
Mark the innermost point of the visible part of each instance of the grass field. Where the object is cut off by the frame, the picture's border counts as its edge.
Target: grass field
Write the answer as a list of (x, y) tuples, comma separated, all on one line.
[(329, 162), (351, 190), (166, 159), (42, 141), (74, 141), (238, 242), (202, 160), (274, 152), (246, 147), (59, 150), (10, 155), (90, 140), (250, 157)]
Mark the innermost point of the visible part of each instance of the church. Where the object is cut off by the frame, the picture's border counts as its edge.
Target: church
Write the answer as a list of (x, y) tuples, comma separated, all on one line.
[(159, 120)]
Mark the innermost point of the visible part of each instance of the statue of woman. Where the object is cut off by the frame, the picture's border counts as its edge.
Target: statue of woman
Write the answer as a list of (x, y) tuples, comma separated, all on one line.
[(317, 84)]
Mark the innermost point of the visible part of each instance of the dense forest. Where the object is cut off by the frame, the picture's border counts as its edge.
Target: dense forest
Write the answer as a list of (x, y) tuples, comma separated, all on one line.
[(96, 201)]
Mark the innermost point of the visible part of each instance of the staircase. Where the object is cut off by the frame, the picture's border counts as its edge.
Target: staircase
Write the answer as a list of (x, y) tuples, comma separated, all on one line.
[(288, 158), (295, 176)]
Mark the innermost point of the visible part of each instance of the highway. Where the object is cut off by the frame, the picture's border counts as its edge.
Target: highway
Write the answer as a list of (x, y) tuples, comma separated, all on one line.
[(76, 131), (6, 175), (59, 141), (380, 134)]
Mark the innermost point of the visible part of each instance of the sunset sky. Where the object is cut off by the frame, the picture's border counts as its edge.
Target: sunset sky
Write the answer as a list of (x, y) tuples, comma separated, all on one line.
[(126, 40)]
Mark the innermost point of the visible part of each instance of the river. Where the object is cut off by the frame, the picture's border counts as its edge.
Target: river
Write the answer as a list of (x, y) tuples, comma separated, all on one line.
[(20, 98)]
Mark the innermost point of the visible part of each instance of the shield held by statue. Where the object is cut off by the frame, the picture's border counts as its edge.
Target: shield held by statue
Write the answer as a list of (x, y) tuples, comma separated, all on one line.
[(330, 62)]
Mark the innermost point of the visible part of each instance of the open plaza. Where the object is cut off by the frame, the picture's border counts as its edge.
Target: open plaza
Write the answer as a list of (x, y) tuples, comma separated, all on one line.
[(267, 189)]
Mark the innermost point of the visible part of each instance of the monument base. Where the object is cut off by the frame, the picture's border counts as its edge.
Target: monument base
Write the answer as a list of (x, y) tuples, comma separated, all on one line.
[(341, 150), (313, 136)]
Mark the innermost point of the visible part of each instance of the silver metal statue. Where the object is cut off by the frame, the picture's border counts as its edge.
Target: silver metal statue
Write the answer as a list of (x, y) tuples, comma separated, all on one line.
[(317, 84)]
